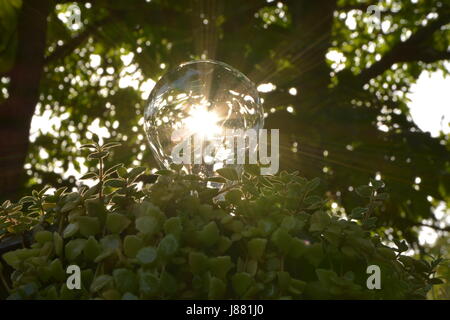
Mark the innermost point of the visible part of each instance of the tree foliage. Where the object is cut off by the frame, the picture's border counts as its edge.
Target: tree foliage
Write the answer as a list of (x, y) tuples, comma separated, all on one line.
[(330, 128)]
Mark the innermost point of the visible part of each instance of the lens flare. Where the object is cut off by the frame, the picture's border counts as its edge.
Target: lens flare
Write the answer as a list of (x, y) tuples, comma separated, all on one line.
[(199, 101)]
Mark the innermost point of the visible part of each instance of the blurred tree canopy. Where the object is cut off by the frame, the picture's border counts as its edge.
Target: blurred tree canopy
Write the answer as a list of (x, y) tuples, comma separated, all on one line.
[(339, 82)]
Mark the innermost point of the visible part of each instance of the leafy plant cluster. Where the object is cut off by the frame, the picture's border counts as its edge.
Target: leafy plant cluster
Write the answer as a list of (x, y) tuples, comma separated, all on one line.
[(257, 237)]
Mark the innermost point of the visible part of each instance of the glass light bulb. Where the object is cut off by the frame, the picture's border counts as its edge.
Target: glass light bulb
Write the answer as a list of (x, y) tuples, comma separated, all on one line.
[(198, 105)]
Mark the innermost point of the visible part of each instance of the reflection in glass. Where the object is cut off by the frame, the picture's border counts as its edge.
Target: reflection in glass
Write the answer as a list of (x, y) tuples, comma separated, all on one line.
[(193, 112)]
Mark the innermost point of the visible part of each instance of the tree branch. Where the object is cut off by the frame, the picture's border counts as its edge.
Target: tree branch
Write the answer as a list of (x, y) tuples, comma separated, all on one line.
[(64, 50), (69, 1), (16, 111), (414, 49), (357, 6), (446, 229)]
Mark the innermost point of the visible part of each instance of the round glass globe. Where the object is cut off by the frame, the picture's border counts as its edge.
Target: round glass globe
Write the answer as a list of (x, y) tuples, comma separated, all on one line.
[(200, 104)]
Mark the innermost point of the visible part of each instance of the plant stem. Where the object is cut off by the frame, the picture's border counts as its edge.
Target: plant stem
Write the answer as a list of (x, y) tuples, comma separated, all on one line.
[(61, 223), (229, 188), (5, 284), (100, 176), (22, 239), (370, 207)]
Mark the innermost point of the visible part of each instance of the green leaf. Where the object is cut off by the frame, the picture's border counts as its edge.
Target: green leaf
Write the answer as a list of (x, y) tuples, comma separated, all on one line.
[(148, 284), (313, 202), (106, 253), (116, 168), (91, 191), (216, 179), (209, 235), (319, 221), (43, 236), (88, 146), (298, 248), (168, 283), (208, 194), (327, 277), (116, 222), (421, 265), (370, 222), (217, 288), (284, 280), (147, 224), (69, 206), (147, 255), (402, 246), (256, 248), (364, 191), (173, 225), (58, 242), (98, 155), (111, 145), (129, 296), (115, 183), (220, 266), (122, 172), (378, 184), (41, 193), (136, 172), (436, 281), (349, 252), (96, 208), (163, 172), (289, 223), (357, 213), (101, 282), (47, 206), (89, 226), (314, 254), (252, 267), (168, 246), (71, 230), (241, 282), (176, 166), (131, 245), (312, 184), (91, 249), (297, 286), (74, 248), (228, 173), (282, 240), (223, 244), (387, 253), (57, 271), (12, 259), (111, 242), (407, 261), (198, 262), (382, 196), (364, 244), (252, 169), (89, 175), (125, 280), (233, 196), (27, 199)]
